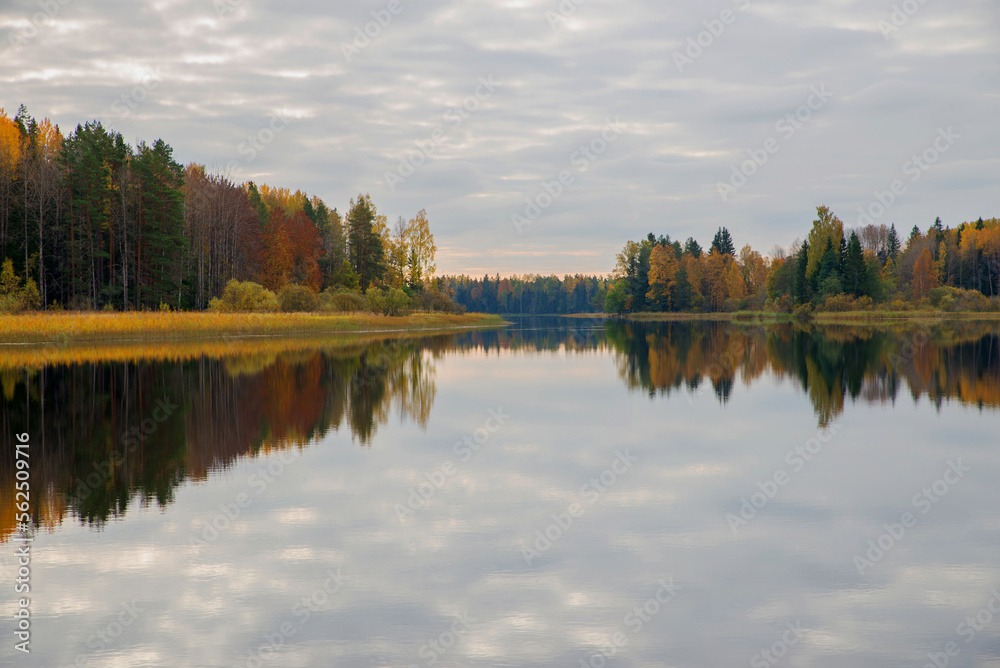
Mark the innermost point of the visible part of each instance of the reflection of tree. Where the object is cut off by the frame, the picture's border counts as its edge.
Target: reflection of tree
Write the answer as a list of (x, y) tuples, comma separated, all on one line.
[(101, 439), (958, 360), (104, 435)]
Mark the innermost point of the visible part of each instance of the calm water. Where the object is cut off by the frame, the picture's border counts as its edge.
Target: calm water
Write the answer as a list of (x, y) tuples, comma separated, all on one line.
[(559, 493)]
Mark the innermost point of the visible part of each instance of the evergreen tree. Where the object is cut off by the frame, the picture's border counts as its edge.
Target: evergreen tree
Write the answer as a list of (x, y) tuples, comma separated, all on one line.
[(692, 247), (855, 280), (258, 205), (801, 285), (682, 293), (161, 217), (723, 243), (892, 244), (367, 255)]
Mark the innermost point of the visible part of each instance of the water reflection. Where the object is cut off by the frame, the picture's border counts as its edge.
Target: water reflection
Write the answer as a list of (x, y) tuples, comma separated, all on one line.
[(958, 361), (108, 434), (708, 411)]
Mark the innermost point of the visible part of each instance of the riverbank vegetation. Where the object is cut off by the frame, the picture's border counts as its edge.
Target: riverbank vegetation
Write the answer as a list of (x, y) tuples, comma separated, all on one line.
[(68, 327), (834, 270), (89, 222)]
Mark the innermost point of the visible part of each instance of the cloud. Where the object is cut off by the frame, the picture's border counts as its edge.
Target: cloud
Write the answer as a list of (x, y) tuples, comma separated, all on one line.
[(228, 66)]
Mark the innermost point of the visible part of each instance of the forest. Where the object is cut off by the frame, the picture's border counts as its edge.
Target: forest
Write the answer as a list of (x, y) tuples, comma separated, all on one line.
[(89, 222), (833, 269)]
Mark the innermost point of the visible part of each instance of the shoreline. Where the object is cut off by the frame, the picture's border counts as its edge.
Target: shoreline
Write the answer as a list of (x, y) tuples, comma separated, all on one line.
[(821, 317), (62, 328)]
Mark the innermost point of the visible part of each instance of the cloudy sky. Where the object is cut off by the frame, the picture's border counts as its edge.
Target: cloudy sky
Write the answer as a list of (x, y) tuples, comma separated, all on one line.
[(473, 110)]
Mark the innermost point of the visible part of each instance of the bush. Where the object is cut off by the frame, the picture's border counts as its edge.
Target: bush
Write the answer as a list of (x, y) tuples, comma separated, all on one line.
[(837, 303), (947, 298), (10, 288), (392, 302), (245, 297), (31, 300), (803, 311), (899, 305), (342, 300), (436, 300), (164, 307), (297, 299)]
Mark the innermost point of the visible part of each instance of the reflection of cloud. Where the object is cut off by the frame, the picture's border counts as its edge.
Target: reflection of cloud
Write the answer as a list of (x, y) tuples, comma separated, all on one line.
[(333, 507)]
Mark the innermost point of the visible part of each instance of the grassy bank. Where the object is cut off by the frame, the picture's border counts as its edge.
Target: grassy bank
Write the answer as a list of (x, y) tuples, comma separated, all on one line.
[(821, 317), (71, 327)]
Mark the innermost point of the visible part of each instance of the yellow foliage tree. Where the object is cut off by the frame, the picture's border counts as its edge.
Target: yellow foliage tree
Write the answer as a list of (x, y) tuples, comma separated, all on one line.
[(826, 226), (420, 249), (662, 270), (924, 276), (735, 283), (10, 163)]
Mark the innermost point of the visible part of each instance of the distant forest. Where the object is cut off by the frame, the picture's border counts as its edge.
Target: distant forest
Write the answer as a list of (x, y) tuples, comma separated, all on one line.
[(834, 268)]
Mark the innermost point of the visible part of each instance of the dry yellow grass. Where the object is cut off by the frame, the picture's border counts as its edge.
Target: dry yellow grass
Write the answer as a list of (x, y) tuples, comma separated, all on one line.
[(35, 356), (154, 326)]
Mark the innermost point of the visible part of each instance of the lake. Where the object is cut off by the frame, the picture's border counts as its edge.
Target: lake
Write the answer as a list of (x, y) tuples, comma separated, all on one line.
[(562, 492)]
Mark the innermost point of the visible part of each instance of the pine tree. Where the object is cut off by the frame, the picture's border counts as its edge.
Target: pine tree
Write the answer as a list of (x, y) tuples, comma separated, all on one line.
[(365, 249), (692, 247), (855, 268), (892, 244), (723, 243), (801, 285), (161, 215)]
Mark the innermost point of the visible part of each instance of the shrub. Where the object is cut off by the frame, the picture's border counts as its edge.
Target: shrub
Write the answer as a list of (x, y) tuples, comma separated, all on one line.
[(392, 302), (245, 297), (803, 311), (436, 300), (298, 298), (31, 300), (899, 305), (342, 300), (947, 298), (785, 304), (837, 303), (346, 301), (10, 290), (164, 307)]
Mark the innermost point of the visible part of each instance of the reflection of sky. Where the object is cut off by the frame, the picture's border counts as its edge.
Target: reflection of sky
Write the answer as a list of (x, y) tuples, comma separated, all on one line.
[(334, 506)]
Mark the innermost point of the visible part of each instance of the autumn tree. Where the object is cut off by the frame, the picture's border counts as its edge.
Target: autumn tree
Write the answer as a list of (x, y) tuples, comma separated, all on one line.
[(662, 269), (923, 275), (277, 259), (305, 250), (714, 280), (396, 252), (421, 250), (10, 163), (826, 228)]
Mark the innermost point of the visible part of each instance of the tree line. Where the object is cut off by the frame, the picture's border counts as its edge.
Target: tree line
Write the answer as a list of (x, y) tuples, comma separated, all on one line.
[(833, 268), (88, 221), (529, 294)]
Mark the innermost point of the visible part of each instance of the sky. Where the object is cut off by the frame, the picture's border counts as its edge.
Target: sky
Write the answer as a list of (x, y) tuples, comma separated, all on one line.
[(540, 136)]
